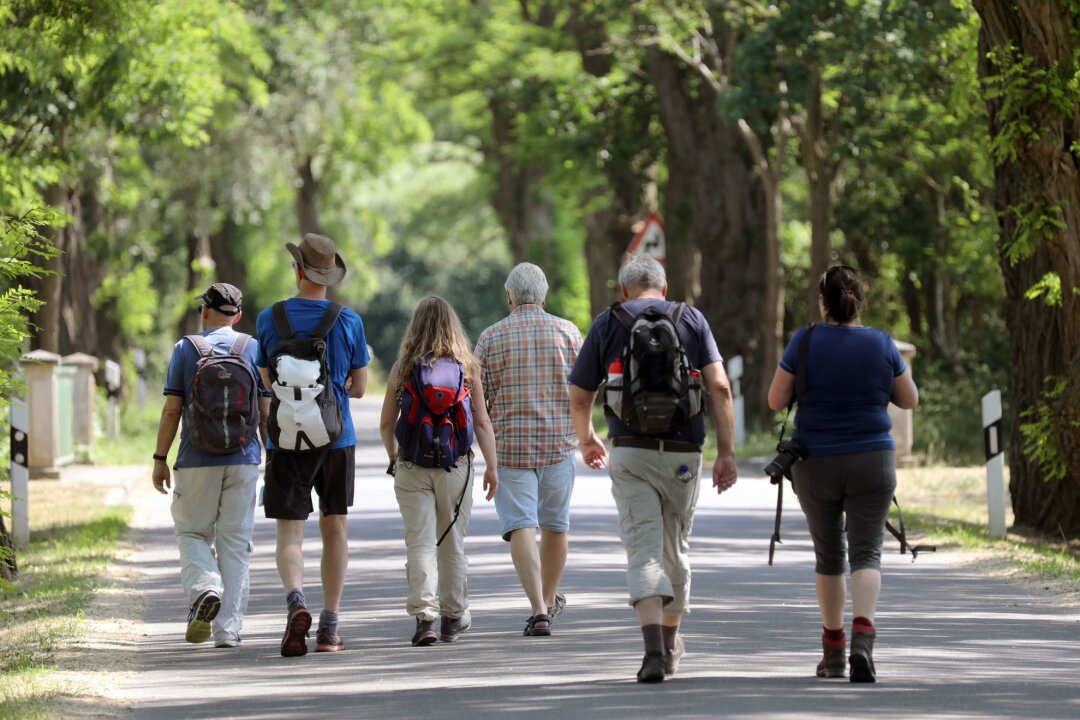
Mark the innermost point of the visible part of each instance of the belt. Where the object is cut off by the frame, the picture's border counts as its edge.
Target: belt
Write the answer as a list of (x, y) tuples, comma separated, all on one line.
[(651, 443)]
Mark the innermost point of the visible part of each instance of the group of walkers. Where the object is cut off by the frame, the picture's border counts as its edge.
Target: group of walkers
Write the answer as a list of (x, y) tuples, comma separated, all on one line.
[(523, 396)]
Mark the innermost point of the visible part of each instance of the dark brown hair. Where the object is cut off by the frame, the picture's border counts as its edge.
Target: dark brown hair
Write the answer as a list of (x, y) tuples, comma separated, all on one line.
[(842, 289)]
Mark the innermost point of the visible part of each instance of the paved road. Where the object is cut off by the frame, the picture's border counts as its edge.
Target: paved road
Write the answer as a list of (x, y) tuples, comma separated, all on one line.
[(952, 644)]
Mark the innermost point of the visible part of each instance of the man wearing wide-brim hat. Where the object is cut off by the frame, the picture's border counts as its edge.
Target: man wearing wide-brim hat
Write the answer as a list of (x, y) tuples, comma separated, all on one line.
[(307, 460)]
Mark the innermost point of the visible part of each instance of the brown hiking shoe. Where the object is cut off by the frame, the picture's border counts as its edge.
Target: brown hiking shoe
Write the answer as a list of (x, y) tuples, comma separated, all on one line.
[(294, 643), (833, 663), (326, 641), (862, 657)]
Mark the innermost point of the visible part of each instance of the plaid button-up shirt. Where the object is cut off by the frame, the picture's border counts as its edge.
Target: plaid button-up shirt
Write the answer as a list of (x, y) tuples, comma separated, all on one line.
[(526, 359)]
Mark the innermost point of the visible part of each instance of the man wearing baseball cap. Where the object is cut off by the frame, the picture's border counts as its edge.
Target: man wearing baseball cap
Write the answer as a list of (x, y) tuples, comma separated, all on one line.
[(213, 505), (291, 474)]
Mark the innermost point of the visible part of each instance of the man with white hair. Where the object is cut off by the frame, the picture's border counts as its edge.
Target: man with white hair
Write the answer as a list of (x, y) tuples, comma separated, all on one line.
[(653, 409), (526, 359)]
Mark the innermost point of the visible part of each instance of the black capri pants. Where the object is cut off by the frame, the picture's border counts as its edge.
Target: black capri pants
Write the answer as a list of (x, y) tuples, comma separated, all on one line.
[(859, 486)]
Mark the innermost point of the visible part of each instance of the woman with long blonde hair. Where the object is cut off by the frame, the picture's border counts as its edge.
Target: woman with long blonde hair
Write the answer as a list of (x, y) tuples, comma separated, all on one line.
[(433, 408)]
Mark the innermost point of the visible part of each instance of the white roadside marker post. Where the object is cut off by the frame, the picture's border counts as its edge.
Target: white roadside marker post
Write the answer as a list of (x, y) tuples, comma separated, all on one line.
[(20, 473), (995, 462), (735, 373)]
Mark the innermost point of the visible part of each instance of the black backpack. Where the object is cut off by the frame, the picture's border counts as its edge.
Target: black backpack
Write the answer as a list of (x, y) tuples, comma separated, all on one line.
[(304, 411), (658, 392), (222, 412)]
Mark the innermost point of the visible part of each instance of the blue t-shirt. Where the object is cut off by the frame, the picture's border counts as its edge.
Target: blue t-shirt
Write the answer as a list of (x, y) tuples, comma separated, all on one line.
[(606, 341), (346, 349), (849, 380), (179, 380)]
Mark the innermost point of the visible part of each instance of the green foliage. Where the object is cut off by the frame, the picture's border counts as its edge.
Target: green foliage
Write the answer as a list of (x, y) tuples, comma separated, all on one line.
[(1039, 430), (1036, 222), (1048, 288)]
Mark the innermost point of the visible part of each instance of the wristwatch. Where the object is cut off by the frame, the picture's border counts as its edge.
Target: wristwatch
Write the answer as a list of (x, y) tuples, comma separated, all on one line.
[(161, 458)]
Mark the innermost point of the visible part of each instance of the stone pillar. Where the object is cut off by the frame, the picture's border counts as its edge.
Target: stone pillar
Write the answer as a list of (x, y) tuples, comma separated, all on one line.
[(903, 426), (83, 425), (39, 370)]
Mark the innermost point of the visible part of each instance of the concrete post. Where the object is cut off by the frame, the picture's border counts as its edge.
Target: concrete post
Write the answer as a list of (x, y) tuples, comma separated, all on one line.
[(39, 370), (112, 385), (995, 463), (735, 373), (903, 430), (85, 365)]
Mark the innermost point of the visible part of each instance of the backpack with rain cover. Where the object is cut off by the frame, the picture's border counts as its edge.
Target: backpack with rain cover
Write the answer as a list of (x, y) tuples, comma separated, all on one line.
[(304, 411), (222, 412), (435, 427), (658, 392)]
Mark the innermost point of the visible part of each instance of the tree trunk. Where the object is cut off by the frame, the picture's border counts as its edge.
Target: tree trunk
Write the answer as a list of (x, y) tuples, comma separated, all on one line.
[(307, 198), (200, 271), (1042, 174), (9, 562), (607, 234), (526, 216), (819, 178), (715, 225), (52, 283)]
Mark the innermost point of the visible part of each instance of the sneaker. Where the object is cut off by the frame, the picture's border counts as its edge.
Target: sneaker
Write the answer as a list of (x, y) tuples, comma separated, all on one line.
[(558, 607), (202, 613), (294, 643), (862, 657), (652, 668), (228, 642), (833, 663), (326, 641), (425, 633), (451, 628), (673, 656)]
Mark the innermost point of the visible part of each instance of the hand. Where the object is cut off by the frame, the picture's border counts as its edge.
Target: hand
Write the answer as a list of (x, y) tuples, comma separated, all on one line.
[(491, 482), (724, 473), (162, 478), (348, 383), (594, 452)]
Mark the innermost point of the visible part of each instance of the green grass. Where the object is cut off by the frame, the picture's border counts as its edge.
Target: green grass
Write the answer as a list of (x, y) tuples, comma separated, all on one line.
[(73, 540)]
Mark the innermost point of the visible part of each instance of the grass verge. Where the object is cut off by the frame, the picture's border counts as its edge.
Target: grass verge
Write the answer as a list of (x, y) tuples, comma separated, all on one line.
[(74, 537)]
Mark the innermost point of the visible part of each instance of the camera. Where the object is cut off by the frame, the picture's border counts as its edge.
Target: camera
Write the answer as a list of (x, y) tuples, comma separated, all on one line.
[(789, 452)]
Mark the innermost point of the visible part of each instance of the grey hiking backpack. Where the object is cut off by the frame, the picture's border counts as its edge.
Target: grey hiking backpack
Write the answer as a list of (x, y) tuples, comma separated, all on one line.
[(651, 388), (222, 412)]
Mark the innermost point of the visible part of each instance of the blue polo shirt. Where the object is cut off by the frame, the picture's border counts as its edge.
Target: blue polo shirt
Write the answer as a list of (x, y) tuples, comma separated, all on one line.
[(849, 380), (179, 380), (346, 349), (606, 341)]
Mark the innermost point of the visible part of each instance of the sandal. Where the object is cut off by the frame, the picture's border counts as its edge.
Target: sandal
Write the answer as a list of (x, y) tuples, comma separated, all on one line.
[(531, 629)]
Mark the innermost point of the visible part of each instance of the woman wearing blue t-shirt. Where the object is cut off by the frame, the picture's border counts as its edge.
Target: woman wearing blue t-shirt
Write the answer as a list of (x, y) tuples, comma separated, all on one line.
[(852, 374)]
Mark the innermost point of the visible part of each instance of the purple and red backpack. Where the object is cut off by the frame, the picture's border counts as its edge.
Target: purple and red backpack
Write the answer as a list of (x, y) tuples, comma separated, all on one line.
[(435, 427)]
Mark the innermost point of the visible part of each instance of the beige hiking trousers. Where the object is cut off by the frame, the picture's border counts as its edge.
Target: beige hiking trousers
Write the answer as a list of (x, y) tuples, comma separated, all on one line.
[(438, 577), (656, 513)]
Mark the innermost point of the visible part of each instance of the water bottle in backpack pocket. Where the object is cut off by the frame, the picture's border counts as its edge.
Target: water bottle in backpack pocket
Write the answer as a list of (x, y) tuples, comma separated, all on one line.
[(613, 388), (435, 424)]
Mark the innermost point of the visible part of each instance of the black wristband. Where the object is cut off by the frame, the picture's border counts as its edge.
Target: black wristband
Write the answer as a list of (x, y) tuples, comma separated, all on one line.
[(161, 458)]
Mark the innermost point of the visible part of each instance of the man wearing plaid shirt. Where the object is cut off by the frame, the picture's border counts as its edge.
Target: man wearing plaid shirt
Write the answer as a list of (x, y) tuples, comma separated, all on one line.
[(526, 360)]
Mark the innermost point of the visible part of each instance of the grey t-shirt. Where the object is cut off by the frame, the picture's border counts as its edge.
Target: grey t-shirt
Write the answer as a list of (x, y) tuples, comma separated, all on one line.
[(606, 340)]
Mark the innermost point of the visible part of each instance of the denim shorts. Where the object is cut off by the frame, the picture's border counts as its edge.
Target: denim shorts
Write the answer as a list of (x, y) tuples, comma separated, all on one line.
[(535, 497)]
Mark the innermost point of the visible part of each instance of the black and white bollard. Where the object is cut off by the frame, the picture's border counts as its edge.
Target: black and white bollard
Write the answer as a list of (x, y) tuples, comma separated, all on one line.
[(735, 373), (995, 462), (20, 473)]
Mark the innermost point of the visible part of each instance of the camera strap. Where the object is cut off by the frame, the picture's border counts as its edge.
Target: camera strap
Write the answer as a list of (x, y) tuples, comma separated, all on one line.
[(800, 388)]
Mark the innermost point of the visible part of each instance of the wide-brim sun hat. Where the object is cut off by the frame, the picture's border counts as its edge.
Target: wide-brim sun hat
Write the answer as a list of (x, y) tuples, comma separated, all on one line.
[(318, 258)]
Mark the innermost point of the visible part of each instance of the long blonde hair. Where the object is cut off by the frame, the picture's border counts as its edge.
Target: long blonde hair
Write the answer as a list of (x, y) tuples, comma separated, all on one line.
[(434, 331)]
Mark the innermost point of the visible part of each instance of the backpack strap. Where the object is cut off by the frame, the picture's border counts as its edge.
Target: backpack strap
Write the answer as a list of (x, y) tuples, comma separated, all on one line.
[(329, 319), (281, 321), (622, 315), (239, 344), (676, 310), (201, 345)]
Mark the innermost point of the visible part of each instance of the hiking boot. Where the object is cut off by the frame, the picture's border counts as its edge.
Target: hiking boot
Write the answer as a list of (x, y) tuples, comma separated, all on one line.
[(652, 668), (425, 633), (451, 628), (560, 605), (232, 641), (326, 641), (862, 657), (294, 642), (202, 613), (673, 656), (833, 663)]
